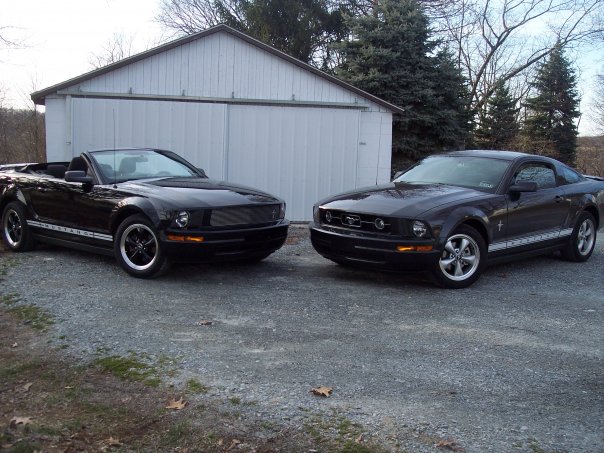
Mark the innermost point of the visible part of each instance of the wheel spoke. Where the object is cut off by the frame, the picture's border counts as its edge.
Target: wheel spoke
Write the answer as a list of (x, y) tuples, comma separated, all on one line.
[(464, 244), (447, 262), (449, 247), (469, 259), (458, 269)]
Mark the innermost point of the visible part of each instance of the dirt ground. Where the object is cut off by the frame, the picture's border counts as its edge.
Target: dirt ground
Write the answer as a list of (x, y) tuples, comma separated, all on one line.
[(49, 403)]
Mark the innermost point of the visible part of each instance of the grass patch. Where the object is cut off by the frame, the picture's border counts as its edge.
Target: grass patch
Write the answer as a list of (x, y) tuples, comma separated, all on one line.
[(194, 386), (130, 368), (235, 400), (32, 315), (9, 299)]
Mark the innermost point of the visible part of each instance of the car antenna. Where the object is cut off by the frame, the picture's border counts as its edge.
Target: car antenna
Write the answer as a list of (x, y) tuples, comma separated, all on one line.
[(114, 172)]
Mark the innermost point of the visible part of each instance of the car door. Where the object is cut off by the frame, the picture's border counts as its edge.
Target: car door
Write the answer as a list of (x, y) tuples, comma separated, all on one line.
[(51, 201), (534, 219)]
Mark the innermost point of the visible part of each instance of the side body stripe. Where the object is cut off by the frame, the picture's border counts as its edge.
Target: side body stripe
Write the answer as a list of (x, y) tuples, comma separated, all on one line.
[(530, 240), (68, 230)]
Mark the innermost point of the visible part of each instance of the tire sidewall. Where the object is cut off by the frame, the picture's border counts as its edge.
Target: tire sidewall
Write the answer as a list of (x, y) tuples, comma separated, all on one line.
[(572, 249), (160, 262), (439, 274), (26, 241)]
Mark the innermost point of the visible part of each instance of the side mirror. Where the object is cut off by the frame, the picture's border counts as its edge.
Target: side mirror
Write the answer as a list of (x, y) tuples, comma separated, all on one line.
[(524, 186), (78, 176), (202, 171)]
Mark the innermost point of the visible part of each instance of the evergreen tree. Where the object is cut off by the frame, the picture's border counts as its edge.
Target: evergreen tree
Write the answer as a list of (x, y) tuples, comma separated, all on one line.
[(391, 55), (300, 28), (498, 125), (550, 123)]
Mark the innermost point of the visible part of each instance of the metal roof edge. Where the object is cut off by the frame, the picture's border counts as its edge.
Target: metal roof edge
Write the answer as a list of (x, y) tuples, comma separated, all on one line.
[(39, 96)]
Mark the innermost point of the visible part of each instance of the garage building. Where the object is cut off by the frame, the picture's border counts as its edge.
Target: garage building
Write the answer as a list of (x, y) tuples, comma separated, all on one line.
[(242, 110)]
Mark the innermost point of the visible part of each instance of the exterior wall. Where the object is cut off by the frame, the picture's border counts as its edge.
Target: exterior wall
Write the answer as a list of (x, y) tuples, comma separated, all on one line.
[(220, 66), (58, 145)]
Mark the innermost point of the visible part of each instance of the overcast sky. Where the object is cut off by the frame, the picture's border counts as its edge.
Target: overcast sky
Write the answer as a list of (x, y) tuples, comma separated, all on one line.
[(61, 36)]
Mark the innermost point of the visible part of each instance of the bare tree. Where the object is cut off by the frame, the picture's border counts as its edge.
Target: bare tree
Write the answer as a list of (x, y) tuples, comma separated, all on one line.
[(597, 108), (503, 39), (116, 49), (7, 40)]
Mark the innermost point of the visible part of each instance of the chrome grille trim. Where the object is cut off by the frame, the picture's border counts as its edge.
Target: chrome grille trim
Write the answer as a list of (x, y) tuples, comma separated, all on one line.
[(366, 221), (245, 215)]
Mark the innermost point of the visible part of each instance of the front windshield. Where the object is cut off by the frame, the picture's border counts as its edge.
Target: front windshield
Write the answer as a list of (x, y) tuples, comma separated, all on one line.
[(480, 173), (126, 165)]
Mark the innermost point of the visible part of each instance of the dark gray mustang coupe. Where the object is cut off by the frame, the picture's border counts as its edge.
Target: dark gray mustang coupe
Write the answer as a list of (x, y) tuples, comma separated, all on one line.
[(452, 213), (145, 206)]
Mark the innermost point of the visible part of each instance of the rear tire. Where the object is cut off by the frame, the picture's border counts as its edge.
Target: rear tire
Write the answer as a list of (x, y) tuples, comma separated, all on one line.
[(582, 240), (462, 260), (137, 248), (15, 231)]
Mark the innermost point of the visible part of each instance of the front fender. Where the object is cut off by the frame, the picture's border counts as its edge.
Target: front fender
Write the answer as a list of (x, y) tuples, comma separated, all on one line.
[(154, 211), (463, 214)]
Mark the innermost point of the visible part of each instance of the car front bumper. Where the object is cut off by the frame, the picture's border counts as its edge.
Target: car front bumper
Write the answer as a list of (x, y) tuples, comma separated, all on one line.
[(375, 252), (231, 245)]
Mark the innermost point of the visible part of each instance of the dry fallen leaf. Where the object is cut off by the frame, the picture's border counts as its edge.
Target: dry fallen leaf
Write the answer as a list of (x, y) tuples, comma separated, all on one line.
[(205, 323), (360, 439), (234, 444), (322, 391), (14, 345), (27, 386), (176, 404), (449, 445), (16, 421)]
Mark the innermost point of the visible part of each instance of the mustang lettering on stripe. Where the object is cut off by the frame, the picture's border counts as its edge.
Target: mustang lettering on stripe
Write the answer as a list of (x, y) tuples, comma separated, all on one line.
[(530, 239), (77, 232)]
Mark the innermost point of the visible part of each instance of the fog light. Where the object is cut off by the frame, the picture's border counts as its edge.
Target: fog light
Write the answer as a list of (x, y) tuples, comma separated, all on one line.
[(379, 224), (182, 219), (420, 229)]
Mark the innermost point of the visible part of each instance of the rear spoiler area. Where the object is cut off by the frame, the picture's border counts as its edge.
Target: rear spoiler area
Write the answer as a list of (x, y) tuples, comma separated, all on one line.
[(17, 167)]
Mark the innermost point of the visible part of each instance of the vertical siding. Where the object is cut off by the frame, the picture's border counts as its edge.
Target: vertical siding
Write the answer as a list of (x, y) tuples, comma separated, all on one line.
[(220, 66), (300, 154), (195, 131)]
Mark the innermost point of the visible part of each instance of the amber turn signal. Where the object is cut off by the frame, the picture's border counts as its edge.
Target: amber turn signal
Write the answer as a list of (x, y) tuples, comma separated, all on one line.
[(414, 248), (180, 238)]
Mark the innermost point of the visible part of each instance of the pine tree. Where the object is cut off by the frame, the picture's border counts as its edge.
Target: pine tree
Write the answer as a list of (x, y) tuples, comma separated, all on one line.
[(550, 124), (391, 55), (498, 125)]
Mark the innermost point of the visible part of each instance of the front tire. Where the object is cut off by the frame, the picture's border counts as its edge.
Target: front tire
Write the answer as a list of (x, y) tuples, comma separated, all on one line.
[(582, 240), (15, 232), (463, 259), (138, 249)]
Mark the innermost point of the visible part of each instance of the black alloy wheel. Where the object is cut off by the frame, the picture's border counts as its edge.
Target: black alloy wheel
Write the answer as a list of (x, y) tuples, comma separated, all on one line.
[(137, 248), (15, 231)]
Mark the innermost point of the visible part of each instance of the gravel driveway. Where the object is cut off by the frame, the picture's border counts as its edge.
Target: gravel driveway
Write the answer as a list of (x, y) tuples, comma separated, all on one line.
[(514, 363)]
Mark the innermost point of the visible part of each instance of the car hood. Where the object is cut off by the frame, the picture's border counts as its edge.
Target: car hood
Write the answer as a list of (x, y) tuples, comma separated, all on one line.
[(197, 192), (400, 199)]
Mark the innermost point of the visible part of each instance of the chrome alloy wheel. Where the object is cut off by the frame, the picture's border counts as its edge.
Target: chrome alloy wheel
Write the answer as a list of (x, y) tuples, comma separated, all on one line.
[(139, 247), (586, 237), (13, 229), (460, 258)]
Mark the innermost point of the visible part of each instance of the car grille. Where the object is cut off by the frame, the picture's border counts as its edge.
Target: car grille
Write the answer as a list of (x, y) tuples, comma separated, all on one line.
[(354, 221), (245, 215)]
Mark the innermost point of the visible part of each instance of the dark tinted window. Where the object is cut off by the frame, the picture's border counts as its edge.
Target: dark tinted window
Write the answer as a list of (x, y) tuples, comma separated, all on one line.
[(569, 176), (543, 175)]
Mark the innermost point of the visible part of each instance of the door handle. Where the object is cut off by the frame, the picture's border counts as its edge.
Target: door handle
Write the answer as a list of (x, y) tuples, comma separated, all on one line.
[(42, 189), (559, 198)]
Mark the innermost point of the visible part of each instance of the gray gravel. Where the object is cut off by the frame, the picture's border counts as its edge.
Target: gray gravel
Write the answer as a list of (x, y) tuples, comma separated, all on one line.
[(514, 363)]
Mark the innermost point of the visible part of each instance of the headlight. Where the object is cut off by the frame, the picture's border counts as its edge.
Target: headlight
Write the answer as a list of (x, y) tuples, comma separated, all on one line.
[(328, 216), (379, 224), (182, 219), (420, 229)]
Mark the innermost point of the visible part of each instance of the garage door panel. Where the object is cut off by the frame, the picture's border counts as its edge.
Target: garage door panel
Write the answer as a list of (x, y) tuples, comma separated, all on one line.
[(300, 154)]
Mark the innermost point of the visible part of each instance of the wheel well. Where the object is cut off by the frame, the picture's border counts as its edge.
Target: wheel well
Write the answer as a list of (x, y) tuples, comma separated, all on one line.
[(478, 226), (122, 215), (6, 200), (594, 212)]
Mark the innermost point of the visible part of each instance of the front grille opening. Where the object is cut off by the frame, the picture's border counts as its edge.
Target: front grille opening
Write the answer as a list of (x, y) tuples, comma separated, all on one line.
[(245, 215), (355, 221)]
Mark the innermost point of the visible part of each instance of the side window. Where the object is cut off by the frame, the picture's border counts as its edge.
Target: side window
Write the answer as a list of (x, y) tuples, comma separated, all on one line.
[(539, 173), (568, 176)]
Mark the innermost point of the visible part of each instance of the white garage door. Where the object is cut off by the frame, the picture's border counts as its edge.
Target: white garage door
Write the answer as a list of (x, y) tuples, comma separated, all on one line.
[(300, 154), (193, 130)]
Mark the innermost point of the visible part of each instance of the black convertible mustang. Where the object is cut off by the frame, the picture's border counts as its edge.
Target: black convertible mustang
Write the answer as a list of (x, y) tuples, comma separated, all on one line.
[(452, 213), (145, 206)]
